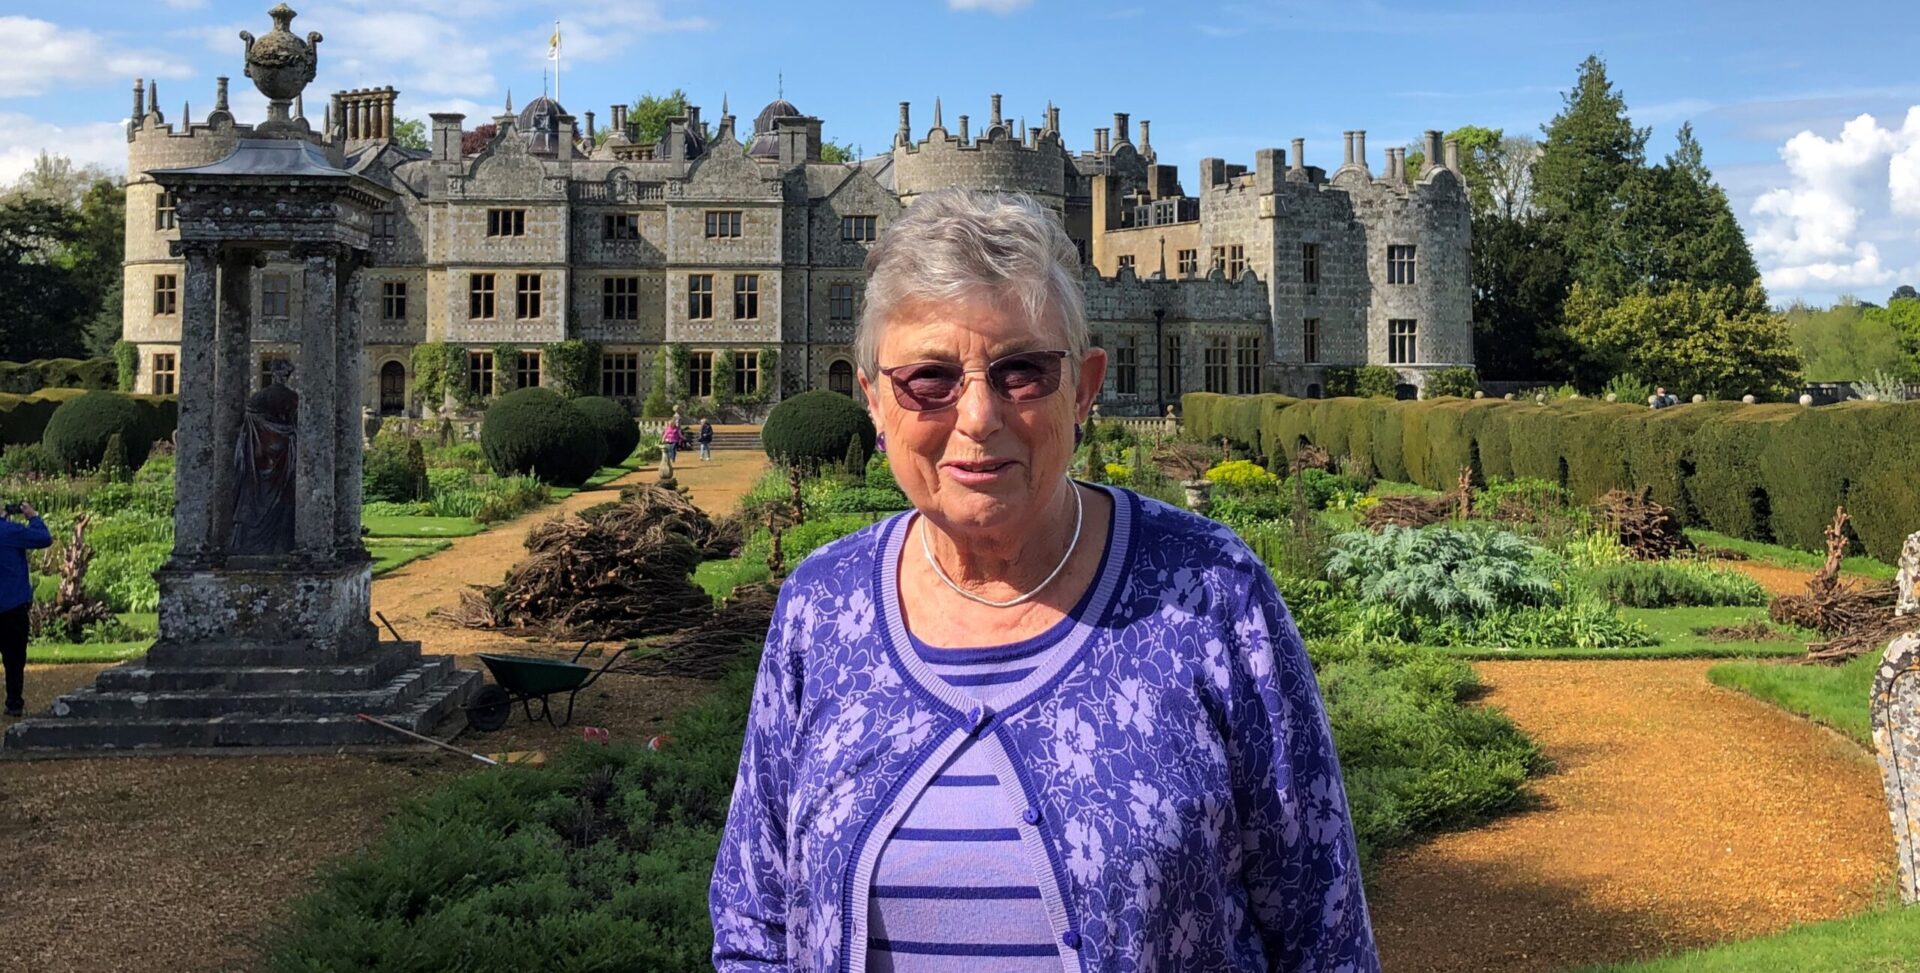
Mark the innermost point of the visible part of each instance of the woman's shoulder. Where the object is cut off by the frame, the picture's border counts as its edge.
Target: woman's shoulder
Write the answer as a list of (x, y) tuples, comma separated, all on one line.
[(1177, 534), (843, 562)]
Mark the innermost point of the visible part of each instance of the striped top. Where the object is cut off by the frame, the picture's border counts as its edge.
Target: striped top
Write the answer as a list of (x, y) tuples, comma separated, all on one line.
[(954, 888)]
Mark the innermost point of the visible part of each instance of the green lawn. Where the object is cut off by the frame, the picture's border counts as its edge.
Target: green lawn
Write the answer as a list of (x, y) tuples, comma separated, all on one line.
[(719, 578), (1675, 628), (55, 652), (422, 526), (1875, 942), (1788, 557), (1835, 696), (390, 554)]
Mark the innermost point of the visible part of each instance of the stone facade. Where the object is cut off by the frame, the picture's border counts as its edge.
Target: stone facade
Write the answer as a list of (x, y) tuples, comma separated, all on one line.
[(732, 245)]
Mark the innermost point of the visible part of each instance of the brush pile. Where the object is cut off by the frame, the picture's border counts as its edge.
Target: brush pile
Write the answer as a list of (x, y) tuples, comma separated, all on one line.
[(619, 570), (709, 650), (1854, 617), (1406, 511), (1648, 530)]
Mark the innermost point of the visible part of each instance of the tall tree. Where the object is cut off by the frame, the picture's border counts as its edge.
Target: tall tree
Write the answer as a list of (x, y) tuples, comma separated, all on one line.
[(650, 112), (1672, 224), (1719, 341), (1520, 278), (1588, 155), (55, 178), (410, 133), (1848, 341), (38, 285)]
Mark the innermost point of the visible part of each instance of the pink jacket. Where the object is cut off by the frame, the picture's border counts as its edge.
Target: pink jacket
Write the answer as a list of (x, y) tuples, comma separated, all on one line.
[(671, 436)]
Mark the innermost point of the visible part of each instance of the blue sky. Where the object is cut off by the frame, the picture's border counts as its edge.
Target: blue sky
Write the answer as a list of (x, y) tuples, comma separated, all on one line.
[(1775, 90)]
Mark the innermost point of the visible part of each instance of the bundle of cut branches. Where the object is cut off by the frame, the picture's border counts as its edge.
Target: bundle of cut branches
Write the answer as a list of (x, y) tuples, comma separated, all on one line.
[(71, 610), (1311, 457), (623, 571), (1856, 618), (1648, 530), (1405, 511), (711, 649)]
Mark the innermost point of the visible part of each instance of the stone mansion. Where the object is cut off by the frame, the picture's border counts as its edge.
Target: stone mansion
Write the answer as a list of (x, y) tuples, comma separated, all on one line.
[(730, 243)]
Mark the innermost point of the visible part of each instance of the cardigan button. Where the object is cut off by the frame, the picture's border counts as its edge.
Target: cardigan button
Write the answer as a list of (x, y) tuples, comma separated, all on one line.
[(1031, 815), (1070, 939), (978, 716)]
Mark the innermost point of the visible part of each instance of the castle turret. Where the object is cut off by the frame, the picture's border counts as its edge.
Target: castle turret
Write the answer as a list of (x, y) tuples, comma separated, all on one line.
[(994, 161)]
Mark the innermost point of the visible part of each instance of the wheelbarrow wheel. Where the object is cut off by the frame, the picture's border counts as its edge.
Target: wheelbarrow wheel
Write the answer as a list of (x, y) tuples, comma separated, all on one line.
[(491, 708)]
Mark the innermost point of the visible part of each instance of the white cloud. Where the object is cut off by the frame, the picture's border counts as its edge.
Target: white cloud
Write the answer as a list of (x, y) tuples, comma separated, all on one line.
[(991, 6), (1838, 223), (42, 54), (23, 138), (187, 4)]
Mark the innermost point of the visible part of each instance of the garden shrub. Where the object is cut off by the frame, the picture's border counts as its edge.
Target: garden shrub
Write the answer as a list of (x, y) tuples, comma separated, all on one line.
[(572, 367), (508, 497), (468, 456), (1658, 584), (24, 378), (126, 365), (1459, 382), (812, 429), (880, 473), (29, 459), (1537, 494), (1242, 476), (536, 430), (1441, 572), (394, 468), (78, 431), (615, 426)]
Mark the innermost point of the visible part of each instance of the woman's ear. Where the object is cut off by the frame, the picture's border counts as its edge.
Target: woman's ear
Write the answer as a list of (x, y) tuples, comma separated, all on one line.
[(1093, 374)]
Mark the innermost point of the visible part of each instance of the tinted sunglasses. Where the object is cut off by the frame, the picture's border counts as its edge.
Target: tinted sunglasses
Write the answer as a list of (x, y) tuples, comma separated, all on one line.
[(930, 386)]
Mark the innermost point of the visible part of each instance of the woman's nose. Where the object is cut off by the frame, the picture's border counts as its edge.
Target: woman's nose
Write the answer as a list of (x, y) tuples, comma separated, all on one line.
[(978, 412)]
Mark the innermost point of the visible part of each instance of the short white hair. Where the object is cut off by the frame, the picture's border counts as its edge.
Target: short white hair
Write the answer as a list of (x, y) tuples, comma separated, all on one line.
[(958, 244)]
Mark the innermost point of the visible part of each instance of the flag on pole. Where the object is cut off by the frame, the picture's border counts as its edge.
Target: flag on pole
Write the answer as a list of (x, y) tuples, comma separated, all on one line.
[(553, 45)]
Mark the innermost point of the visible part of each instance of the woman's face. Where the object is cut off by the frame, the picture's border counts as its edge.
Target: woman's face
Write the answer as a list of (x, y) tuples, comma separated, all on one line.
[(985, 463)]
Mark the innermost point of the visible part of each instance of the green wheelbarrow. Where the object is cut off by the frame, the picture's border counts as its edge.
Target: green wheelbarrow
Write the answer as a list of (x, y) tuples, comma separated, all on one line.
[(525, 679)]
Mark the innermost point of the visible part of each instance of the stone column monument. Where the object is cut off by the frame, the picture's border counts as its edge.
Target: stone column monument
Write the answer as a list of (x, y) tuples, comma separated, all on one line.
[(264, 635), (1896, 726)]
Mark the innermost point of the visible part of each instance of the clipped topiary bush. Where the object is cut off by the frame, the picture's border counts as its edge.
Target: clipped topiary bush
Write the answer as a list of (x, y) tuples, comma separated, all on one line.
[(536, 430), (615, 426), (812, 429), (78, 432)]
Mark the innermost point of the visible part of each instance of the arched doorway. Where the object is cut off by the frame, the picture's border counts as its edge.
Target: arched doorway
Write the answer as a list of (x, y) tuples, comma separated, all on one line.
[(1313, 391), (840, 377), (393, 389), (1406, 392)]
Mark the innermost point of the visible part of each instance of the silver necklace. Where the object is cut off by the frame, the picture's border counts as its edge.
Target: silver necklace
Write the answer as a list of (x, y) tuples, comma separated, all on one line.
[(1079, 507)]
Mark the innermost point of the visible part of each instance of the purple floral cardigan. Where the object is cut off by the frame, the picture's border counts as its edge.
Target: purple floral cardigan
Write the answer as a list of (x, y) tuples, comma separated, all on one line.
[(1186, 811)]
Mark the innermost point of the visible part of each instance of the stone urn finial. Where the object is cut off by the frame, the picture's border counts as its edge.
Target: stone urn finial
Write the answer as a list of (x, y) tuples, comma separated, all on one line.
[(281, 66)]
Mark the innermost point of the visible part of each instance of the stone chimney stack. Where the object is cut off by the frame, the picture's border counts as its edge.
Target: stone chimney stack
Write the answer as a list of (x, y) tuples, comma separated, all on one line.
[(905, 135), (1146, 143), (220, 95), (1348, 135), (1053, 118), (1453, 156), (995, 123), (139, 101), (1434, 152), (591, 140), (1034, 135), (963, 130), (446, 136), (1100, 140), (1120, 127), (1299, 155), (1393, 165)]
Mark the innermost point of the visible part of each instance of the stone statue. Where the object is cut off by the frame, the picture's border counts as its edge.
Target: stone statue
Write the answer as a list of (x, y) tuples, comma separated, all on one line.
[(263, 462)]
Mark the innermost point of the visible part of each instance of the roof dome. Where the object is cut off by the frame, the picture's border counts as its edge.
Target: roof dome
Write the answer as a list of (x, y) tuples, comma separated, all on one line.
[(778, 108), (539, 122)]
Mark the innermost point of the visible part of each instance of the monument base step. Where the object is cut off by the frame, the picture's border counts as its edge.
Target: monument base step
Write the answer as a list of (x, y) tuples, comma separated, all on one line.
[(435, 698), (141, 675), (395, 694)]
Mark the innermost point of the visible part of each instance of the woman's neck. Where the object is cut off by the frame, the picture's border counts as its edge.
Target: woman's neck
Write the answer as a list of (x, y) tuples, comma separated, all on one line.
[(1011, 561)]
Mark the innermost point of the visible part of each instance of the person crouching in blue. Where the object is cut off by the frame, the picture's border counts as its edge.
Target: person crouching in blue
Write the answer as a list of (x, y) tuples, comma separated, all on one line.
[(1030, 724), (16, 595)]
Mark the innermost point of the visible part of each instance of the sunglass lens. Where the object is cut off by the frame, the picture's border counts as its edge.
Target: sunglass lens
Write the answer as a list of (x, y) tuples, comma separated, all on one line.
[(928, 386), (1023, 378)]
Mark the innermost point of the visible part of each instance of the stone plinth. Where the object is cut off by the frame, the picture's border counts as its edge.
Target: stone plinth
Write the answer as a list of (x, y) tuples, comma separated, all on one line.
[(1896, 742)]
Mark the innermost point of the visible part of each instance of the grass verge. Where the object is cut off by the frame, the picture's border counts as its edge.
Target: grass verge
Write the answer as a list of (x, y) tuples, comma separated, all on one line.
[(390, 554), (1788, 557), (1834, 696), (421, 526), (1882, 941), (1675, 628), (56, 653)]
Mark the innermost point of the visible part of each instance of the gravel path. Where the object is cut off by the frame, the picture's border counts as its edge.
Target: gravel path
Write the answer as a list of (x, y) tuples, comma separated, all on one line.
[(182, 863), (1677, 815)]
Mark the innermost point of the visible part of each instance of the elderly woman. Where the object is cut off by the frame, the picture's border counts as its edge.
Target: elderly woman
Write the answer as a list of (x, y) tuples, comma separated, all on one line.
[(1031, 724)]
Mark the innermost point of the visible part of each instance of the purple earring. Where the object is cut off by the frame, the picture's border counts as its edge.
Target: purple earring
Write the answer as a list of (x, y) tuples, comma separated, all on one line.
[(880, 442)]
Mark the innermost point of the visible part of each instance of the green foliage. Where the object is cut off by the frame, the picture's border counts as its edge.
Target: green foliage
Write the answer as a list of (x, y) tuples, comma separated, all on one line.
[(1658, 584), (657, 405), (1879, 941), (1589, 151), (1366, 381), (126, 360), (508, 497), (506, 371), (1440, 572), (1242, 476), (23, 378), (1521, 273), (440, 370), (113, 459), (410, 133), (469, 456), (1721, 341), (723, 377), (832, 151), (1627, 387), (611, 421), (1836, 696), (537, 431), (79, 429), (394, 469), (880, 473), (856, 456), (29, 459), (647, 119), (54, 254), (571, 367), (812, 429), (1457, 382)]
